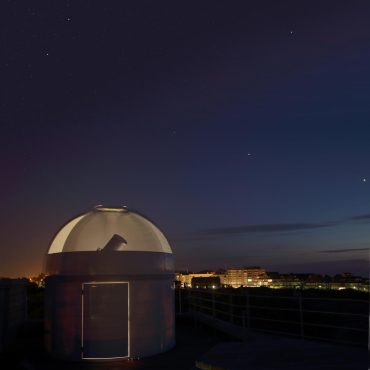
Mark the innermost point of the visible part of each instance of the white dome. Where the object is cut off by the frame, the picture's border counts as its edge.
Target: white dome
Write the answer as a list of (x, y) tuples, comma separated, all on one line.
[(109, 229)]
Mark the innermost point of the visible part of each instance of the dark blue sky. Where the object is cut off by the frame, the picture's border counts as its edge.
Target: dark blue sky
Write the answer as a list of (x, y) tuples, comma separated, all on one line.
[(241, 128)]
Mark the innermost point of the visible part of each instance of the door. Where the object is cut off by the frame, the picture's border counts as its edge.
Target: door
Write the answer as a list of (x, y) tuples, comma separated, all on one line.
[(105, 320)]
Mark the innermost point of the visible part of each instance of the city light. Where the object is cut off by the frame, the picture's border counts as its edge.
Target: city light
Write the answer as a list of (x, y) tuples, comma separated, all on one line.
[(257, 277)]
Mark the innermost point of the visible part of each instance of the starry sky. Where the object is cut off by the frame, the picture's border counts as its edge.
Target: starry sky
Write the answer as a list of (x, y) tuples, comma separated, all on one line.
[(241, 128)]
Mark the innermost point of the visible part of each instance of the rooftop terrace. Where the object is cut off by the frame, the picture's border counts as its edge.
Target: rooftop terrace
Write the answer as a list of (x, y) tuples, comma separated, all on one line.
[(201, 347)]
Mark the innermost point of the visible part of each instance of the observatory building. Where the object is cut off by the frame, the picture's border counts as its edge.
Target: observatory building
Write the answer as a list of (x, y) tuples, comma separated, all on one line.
[(109, 291)]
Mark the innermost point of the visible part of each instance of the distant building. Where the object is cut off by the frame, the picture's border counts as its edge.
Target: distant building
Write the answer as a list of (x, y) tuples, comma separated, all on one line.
[(284, 281), (346, 280), (246, 277), (258, 277), (317, 281), (211, 282), (185, 280)]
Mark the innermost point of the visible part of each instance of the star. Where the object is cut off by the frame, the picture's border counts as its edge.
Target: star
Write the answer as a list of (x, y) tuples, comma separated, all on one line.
[(291, 32), (364, 179), (68, 19)]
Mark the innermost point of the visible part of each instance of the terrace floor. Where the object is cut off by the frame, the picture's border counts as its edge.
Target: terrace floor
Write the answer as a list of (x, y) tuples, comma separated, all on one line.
[(200, 347), (267, 352)]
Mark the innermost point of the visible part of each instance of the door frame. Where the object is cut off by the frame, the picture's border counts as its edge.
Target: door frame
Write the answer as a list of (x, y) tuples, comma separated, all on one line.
[(82, 319)]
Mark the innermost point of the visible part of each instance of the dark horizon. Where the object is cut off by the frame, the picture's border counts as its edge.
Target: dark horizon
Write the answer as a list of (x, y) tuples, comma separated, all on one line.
[(190, 271)]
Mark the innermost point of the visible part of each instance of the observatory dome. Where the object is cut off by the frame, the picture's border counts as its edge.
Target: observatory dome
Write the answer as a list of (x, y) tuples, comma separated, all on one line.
[(109, 290), (109, 229)]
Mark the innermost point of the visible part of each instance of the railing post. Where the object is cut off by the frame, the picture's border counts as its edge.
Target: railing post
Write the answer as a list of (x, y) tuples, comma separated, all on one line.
[(213, 304), (191, 306), (301, 314), (180, 303), (231, 308), (248, 310)]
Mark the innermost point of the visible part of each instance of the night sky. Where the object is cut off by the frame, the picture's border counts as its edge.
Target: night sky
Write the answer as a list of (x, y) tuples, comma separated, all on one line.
[(241, 128)]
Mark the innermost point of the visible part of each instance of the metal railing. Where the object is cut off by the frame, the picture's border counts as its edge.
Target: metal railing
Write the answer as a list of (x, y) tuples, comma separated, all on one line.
[(341, 320)]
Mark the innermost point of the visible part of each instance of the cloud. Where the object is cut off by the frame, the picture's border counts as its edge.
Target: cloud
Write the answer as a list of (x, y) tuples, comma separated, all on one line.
[(265, 228), (358, 265), (361, 218), (344, 250), (224, 232), (194, 237)]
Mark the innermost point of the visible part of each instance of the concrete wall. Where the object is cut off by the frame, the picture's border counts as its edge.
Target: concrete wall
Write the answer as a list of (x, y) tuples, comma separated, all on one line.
[(13, 309)]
